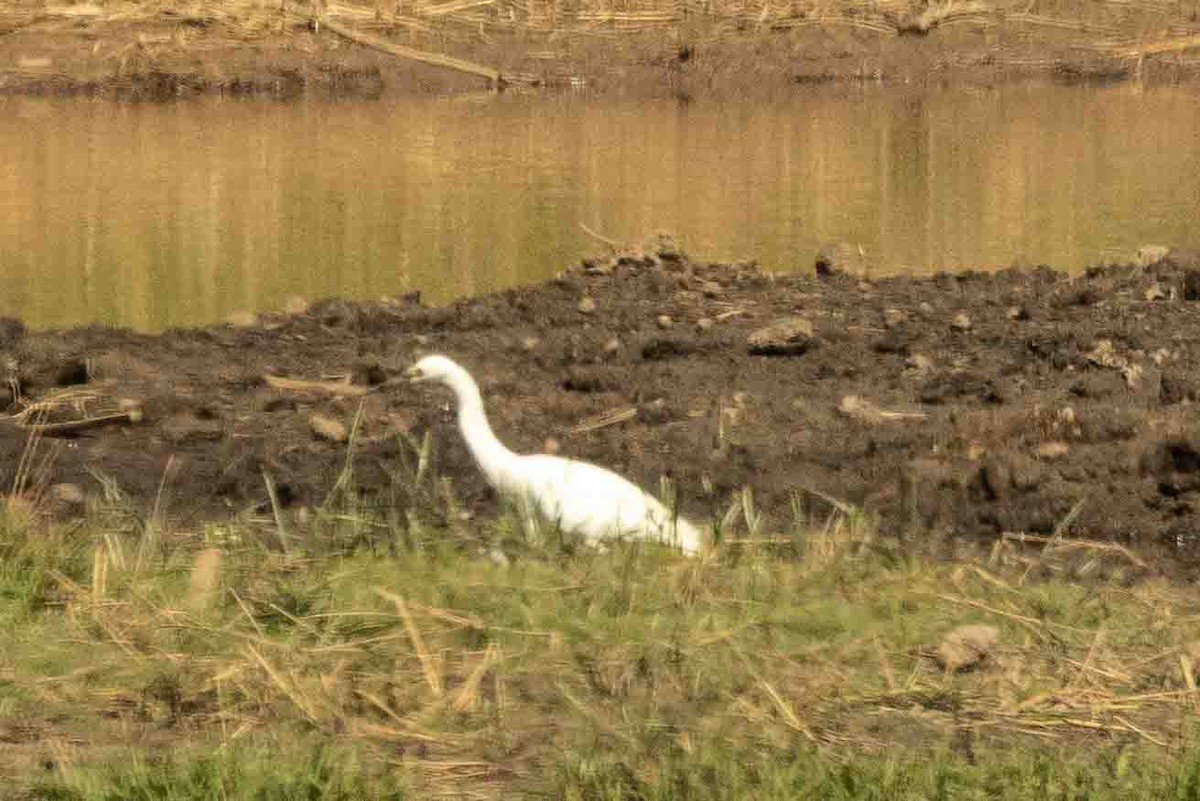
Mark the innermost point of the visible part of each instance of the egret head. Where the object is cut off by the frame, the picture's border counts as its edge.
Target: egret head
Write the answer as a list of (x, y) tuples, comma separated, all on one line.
[(434, 368)]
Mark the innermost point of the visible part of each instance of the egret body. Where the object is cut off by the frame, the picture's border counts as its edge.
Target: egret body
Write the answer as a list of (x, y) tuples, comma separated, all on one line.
[(576, 496)]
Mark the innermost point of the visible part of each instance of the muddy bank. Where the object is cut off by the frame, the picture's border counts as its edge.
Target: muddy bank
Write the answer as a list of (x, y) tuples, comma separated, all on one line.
[(163, 52), (972, 403)]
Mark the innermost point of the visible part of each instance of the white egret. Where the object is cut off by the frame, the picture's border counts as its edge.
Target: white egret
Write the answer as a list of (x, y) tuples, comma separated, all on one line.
[(578, 497)]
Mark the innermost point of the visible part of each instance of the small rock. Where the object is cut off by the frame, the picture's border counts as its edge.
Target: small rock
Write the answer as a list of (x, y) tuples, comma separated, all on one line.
[(296, 305), (587, 305), (242, 319), (1148, 255), (1103, 354), (926, 310), (1055, 449), (667, 249), (712, 289), (961, 322), (530, 343), (421, 339), (612, 346), (967, 647), (327, 428), (1156, 292), (705, 323), (1026, 474), (664, 321), (894, 317), (790, 336), (1018, 313), (71, 494), (919, 362)]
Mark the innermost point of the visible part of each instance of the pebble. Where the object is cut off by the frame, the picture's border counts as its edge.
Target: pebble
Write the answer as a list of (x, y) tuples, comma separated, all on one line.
[(961, 322), (1156, 292), (712, 289), (664, 321), (587, 305), (840, 257), (705, 323), (919, 362), (1018, 313), (530, 343)]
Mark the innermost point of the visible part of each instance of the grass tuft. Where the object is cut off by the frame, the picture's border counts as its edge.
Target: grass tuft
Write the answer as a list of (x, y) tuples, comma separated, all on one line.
[(429, 657)]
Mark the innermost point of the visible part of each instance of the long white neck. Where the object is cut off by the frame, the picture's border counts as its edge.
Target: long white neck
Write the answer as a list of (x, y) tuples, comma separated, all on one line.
[(493, 458)]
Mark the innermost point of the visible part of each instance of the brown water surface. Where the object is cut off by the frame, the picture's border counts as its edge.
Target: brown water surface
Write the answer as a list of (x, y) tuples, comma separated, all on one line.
[(159, 215)]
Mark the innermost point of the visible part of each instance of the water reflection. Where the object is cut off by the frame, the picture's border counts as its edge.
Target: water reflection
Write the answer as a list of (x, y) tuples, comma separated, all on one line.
[(149, 216)]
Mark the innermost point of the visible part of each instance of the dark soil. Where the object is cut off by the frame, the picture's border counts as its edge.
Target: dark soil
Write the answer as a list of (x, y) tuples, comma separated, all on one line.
[(1021, 394)]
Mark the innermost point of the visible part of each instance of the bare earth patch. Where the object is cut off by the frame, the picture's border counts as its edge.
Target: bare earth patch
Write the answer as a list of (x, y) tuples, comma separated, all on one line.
[(1024, 402), (162, 50)]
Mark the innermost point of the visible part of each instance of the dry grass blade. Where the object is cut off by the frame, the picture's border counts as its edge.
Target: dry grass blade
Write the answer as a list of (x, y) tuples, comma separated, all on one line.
[(343, 389), (99, 570), (284, 686), (382, 706), (429, 665), (785, 709), (604, 420), (1063, 543), (204, 580), (467, 696)]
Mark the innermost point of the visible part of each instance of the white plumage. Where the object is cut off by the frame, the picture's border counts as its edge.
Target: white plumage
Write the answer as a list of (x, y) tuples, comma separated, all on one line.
[(576, 496)]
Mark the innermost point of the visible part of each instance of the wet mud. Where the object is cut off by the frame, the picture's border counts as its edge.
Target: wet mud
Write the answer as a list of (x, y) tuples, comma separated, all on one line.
[(967, 404)]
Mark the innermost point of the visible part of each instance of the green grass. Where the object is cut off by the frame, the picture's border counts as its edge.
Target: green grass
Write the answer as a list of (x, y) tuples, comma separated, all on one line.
[(395, 652)]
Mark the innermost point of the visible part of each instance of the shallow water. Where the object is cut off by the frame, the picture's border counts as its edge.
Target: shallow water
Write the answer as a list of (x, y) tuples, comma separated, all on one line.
[(179, 214)]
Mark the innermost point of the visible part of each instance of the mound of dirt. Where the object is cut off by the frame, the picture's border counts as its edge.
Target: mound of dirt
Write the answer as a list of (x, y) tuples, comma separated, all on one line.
[(971, 403)]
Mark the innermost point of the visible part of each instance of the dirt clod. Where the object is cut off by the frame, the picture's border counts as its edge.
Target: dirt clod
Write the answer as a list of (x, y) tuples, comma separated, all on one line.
[(788, 337)]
